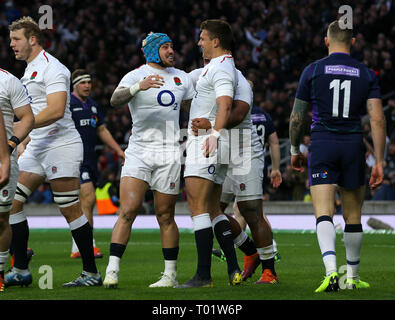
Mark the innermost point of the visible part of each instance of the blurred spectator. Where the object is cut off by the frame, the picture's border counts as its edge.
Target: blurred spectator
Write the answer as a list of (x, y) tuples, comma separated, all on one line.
[(273, 44), (43, 194)]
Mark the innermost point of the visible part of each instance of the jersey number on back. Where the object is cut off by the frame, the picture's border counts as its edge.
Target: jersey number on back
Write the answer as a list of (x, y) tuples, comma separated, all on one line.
[(337, 86)]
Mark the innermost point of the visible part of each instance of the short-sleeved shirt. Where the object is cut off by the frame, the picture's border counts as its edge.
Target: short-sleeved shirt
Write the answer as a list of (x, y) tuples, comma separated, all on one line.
[(218, 78), (156, 111), (87, 118), (12, 96), (338, 87), (263, 124), (45, 75)]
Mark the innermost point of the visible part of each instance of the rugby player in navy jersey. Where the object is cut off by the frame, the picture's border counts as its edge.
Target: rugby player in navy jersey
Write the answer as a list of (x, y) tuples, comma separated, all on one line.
[(339, 90), (88, 120)]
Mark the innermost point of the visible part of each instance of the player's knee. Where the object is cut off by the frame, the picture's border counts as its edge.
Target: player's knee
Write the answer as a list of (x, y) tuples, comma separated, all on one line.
[(67, 198), (165, 217), (251, 211)]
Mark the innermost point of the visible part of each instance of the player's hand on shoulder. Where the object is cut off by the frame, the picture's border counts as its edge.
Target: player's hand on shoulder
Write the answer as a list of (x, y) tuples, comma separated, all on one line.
[(201, 124), (298, 162), (152, 81)]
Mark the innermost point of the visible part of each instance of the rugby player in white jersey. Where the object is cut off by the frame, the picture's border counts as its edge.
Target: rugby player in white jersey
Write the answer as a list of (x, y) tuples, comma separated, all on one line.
[(154, 93), (207, 155), (53, 153), (245, 180), (13, 101)]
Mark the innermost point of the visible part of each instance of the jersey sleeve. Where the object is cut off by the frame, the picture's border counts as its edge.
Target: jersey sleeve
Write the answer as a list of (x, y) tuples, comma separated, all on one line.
[(194, 76), (56, 80), (269, 126), (100, 115), (303, 91), (223, 83), (128, 80), (190, 88), (243, 92), (374, 88), (18, 93)]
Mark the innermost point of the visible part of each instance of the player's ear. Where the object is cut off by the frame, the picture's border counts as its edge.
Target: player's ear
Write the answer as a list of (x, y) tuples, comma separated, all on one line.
[(326, 39), (216, 42), (32, 40), (353, 41)]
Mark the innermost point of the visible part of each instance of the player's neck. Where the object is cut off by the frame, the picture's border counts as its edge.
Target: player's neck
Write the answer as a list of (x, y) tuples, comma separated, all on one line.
[(83, 99), (155, 65), (338, 49), (220, 52), (35, 52)]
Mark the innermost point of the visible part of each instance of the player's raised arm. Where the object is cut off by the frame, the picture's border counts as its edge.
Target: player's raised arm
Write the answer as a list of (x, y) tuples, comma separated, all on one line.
[(378, 125), (122, 95), (296, 125)]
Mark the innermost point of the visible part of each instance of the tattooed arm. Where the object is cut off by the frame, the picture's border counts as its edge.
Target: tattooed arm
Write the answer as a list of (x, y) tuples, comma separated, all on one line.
[(296, 125), (378, 125)]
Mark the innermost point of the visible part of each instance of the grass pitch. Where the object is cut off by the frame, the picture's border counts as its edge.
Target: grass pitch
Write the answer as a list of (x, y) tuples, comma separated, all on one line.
[(300, 270)]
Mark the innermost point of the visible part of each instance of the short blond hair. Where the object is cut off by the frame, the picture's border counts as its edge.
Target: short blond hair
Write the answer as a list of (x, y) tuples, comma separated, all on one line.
[(338, 34), (30, 28)]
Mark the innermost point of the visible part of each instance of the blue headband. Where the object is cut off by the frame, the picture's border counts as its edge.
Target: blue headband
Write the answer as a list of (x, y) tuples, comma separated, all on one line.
[(151, 46)]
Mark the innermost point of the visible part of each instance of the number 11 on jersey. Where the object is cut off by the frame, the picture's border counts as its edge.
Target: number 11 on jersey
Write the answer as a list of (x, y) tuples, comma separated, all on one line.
[(337, 86)]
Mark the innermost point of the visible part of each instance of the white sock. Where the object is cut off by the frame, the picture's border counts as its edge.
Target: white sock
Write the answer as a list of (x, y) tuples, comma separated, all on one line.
[(21, 271), (240, 239), (113, 264), (353, 241), (274, 245), (326, 236), (170, 267), (3, 259), (74, 248), (265, 253)]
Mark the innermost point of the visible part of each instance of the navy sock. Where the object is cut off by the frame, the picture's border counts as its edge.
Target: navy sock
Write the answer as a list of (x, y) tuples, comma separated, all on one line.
[(83, 237), (117, 249), (20, 238), (204, 245), (170, 253)]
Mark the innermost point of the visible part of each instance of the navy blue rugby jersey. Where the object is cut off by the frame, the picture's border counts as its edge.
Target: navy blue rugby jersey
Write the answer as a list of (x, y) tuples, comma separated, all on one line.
[(87, 118), (263, 123), (338, 87)]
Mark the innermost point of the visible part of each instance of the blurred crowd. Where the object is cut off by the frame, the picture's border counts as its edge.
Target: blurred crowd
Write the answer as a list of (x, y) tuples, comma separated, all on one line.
[(274, 41)]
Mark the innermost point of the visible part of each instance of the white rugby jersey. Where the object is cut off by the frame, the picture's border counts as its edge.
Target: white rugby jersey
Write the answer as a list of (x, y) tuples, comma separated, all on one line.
[(12, 96), (43, 76), (218, 78), (244, 93), (156, 111)]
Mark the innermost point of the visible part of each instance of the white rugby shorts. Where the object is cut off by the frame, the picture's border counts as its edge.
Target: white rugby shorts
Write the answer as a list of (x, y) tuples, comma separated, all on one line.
[(58, 162), (160, 169), (213, 168), (8, 192), (244, 187)]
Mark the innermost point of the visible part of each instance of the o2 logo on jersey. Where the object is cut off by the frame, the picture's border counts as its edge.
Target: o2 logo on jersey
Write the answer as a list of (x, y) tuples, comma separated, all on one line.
[(211, 169), (166, 98)]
